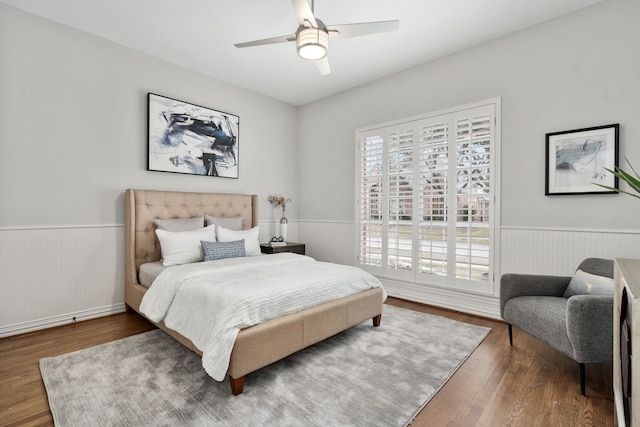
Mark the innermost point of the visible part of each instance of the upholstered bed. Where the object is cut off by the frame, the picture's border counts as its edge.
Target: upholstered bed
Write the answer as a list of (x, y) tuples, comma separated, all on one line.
[(256, 346)]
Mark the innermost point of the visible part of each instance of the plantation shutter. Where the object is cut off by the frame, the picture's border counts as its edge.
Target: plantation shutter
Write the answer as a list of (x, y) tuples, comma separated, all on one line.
[(399, 235), (434, 183), (426, 199), (473, 196), (370, 206)]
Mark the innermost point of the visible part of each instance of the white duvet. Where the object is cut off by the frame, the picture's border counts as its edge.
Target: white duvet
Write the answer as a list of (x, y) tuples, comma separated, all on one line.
[(209, 302)]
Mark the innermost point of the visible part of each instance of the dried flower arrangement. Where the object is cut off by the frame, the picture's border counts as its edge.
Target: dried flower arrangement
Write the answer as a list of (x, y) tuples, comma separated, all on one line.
[(279, 201)]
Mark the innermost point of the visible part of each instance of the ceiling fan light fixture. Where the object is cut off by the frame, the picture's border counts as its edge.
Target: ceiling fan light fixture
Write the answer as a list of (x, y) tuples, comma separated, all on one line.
[(312, 43)]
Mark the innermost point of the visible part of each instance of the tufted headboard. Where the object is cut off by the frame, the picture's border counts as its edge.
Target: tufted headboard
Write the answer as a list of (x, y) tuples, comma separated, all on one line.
[(144, 206)]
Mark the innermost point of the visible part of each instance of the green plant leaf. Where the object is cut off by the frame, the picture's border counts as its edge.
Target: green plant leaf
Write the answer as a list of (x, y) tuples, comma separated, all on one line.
[(632, 181), (628, 178), (632, 169), (617, 190)]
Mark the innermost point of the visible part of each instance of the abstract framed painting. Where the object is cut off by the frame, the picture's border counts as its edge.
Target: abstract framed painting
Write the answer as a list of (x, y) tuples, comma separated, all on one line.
[(576, 160), (191, 139)]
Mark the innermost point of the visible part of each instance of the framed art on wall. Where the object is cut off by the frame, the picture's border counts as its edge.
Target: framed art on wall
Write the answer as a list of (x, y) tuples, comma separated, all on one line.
[(190, 139), (576, 160)]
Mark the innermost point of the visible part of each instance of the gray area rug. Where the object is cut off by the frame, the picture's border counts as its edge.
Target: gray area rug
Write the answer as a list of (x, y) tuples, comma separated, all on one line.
[(362, 377)]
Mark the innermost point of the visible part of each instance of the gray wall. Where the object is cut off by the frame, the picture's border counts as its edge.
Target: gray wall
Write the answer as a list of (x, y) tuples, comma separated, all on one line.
[(580, 70), (577, 71), (73, 137), (73, 117), (73, 120)]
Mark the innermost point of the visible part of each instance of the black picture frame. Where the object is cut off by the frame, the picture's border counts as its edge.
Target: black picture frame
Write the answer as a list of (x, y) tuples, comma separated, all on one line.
[(190, 139), (575, 160)]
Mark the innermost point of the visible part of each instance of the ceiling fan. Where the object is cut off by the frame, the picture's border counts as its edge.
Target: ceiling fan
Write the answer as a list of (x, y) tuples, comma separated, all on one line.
[(312, 35)]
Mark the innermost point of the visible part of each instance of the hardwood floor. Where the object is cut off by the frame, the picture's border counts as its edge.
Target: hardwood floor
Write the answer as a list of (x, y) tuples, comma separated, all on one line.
[(529, 384), (23, 399)]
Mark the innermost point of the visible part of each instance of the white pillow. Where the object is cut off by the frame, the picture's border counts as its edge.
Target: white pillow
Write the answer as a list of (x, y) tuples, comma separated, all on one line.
[(583, 283), (183, 247), (251, 242)]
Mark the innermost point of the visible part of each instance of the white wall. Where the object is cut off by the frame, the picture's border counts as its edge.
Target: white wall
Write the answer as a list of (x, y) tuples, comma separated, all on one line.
[(73, 120), (73, 137), (74, 126), (577, 71)]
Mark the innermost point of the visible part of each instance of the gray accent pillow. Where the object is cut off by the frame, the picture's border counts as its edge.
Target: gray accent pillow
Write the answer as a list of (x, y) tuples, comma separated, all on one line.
[(583, 283), (180, 224), (234, 223), (222, 250)]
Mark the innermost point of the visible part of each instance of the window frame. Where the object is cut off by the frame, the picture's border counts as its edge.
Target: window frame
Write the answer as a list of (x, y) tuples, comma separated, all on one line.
[(493, 105)]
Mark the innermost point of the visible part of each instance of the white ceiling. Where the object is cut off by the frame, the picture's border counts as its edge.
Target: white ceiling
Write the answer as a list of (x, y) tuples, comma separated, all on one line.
[(199, 34)]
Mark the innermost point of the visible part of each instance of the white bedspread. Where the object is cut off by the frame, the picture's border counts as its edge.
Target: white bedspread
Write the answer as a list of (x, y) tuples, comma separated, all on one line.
[(209, 302)]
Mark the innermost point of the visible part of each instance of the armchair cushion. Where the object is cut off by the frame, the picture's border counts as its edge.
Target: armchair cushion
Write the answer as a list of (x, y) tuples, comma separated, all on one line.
[(544, 317), (583, 283)]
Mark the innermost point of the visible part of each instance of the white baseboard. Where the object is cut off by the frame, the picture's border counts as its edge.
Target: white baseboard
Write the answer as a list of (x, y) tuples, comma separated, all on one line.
[(62, 319), (476, 304)]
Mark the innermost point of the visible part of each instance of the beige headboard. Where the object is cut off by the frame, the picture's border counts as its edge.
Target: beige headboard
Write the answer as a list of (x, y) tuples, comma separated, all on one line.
[(144, 206)]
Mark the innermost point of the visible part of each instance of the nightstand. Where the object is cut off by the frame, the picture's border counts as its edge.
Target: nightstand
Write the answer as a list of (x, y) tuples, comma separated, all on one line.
[(297, 248)]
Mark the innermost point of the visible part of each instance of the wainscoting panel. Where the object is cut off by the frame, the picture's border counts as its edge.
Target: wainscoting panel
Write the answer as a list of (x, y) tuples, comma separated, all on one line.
[(50, 276), (558, 252)]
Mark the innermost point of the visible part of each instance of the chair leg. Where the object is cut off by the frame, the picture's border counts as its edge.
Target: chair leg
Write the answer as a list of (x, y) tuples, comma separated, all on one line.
[(510, 334), (582, 379)]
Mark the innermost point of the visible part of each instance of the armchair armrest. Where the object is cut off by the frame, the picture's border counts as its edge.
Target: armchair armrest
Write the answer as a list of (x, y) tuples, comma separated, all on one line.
[(590, 327), (518, 285)]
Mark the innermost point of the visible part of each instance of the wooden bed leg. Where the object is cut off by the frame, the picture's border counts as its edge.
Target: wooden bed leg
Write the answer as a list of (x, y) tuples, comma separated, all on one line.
[(376, 320), (237, 384), (128, 309)]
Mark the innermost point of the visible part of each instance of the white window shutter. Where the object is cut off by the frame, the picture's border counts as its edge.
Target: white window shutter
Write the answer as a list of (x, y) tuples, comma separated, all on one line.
[(426, 198)]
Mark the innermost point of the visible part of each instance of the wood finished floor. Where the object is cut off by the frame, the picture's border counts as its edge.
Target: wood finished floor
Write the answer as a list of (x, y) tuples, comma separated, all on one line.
[(529, 384)]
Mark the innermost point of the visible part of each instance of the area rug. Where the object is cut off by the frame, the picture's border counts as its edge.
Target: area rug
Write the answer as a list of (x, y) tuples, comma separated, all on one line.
[(364, 376)]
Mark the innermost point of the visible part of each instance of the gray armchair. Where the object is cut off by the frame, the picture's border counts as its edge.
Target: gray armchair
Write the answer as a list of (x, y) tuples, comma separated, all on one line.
[(580, 326)]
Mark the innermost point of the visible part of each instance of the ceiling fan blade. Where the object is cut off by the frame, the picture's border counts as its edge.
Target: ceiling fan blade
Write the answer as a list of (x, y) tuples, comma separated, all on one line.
[(304, 13), (323, 66), (363, 28), (272, 40)]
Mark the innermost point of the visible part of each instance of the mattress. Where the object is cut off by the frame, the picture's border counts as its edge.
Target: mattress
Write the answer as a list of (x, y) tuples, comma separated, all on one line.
[(149, 271)]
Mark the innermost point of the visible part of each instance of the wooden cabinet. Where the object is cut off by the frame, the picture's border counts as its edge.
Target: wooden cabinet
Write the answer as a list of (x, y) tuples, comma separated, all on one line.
[(298, 248), (626, 341)]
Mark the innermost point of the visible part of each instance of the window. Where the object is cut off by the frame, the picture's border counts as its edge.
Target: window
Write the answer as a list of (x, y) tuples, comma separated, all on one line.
[(426, 203)]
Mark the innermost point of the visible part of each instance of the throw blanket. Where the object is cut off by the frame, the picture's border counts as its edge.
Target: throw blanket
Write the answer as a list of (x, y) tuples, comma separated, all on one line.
[(210, 302)]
